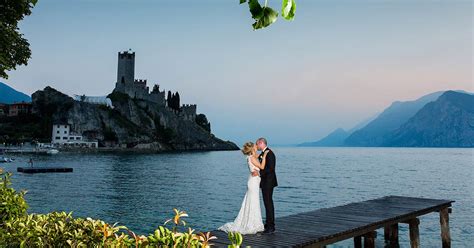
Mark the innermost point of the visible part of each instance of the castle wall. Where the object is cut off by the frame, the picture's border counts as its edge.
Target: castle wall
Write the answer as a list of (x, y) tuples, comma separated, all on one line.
[(137, 88), (157, 97), (188, 111)]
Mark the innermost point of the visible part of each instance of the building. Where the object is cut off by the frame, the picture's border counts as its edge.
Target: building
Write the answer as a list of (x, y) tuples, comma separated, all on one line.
[(3, 109), (135, 88), (19, 108), (188, 112), (138, 89), (99, 100), (62, 136)]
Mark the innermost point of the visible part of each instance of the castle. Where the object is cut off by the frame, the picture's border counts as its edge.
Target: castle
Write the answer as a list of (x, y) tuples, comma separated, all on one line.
[(138, 89)]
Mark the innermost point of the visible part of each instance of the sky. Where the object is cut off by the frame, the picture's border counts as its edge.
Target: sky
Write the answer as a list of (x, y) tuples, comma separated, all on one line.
[(337, 64)]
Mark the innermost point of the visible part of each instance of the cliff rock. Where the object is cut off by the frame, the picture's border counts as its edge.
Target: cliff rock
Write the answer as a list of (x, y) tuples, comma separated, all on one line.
[(132, 123)]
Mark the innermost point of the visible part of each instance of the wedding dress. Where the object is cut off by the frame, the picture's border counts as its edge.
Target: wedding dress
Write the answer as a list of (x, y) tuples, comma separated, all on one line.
[(249, 220)]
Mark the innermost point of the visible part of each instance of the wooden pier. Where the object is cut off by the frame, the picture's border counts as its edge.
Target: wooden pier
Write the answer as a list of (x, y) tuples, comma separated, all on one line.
[(357, 221), (43, 169)]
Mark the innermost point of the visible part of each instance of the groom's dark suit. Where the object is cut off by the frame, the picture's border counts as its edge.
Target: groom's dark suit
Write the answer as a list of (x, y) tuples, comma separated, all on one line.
[(268, 182)]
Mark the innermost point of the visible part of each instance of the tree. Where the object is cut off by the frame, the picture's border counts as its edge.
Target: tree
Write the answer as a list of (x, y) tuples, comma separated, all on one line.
[(14, 48), (177, 103), (202, 121), (173, 101), (168, 99), (265, 16)]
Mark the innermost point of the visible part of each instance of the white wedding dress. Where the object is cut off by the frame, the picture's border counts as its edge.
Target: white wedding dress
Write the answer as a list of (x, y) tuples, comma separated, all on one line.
[(249, 220)]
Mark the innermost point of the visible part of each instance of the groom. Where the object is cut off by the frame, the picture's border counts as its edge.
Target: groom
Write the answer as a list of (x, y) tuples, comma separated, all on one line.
[(268, 182)]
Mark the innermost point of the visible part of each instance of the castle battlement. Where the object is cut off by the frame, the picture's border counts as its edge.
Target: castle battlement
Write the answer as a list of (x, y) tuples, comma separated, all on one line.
[(188, 111), (126, 55), (138, 89), (140, 81), (189, 106)]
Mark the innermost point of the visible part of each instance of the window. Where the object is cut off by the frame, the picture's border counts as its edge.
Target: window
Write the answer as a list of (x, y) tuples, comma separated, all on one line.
[(57, 137), (65, 132), (78, 138), (64, 138), (71, 138), (58, 126)]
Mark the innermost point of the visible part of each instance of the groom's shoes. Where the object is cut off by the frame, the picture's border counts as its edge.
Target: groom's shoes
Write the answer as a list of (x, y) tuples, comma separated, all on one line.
[(268, 231)]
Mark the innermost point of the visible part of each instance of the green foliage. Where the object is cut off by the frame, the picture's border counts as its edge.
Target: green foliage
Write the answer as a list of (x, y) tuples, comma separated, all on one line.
[(13, 205), (265, 16), (288, 9), (116, 96), (173, 101), (60, 229), (109, 134), (236, 239), (24, 128), (14, 48), (202, 121)]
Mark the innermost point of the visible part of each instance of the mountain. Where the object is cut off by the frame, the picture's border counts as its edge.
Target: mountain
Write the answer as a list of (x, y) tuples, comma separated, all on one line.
[(446, 122), (389, 120), (8, 95), (336, 138), (362, 124)]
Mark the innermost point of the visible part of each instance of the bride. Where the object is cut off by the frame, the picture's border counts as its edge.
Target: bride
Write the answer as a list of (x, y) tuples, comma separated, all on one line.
[(249, 219)]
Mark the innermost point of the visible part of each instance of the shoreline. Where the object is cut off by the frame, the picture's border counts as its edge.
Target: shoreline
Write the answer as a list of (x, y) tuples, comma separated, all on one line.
[(17, 150)]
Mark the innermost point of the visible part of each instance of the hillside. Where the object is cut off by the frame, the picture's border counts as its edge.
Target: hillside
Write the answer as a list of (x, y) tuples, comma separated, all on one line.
[(132, 123), (8, 95), (335, 138), (447, 122), (389, 120)]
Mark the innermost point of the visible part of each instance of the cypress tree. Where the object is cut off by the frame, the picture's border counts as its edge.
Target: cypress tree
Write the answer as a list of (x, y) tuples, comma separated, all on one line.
[(177, 101), (168, 99)]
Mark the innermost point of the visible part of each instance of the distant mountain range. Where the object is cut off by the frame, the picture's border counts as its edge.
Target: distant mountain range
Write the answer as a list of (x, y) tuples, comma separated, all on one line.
[(338, 136), (446, 122), (422, 122), (8, 95), (335, 138)]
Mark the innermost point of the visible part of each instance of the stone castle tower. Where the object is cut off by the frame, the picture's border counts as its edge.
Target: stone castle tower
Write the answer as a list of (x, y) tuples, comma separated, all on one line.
[(126, 67), (135, 88), (138, 89)]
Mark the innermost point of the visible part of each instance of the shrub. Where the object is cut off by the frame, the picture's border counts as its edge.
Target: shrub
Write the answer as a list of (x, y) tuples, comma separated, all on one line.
[(60, 229), (13, 204)]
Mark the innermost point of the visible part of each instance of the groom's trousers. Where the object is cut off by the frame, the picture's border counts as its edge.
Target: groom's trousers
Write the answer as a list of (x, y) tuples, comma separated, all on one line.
[(267, 193)]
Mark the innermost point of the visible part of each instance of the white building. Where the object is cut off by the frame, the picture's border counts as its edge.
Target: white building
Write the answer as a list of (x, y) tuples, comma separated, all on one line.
[(62, 136), (99, 100)]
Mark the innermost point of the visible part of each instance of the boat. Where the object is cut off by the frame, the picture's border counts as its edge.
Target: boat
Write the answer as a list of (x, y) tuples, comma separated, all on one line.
[(52, 151), (5, 160)]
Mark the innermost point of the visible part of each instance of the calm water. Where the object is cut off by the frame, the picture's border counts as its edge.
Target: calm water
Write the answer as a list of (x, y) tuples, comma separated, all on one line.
[(140, 190)]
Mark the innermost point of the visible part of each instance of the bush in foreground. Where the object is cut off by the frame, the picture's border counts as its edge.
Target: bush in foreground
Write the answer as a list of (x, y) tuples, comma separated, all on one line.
[(60, 229)]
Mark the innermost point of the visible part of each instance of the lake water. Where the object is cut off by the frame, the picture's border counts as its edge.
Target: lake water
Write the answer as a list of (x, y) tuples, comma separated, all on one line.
[(140, 190)]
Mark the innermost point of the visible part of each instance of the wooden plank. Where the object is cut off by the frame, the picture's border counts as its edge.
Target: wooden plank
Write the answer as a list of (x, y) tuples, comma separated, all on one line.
[(393, 236), (320, 227), (414, 233), (444, 222), (31, 170), (369, 239), (357, 242)]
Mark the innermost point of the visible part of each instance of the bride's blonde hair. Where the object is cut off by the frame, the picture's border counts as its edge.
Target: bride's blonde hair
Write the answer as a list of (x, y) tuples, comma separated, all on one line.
[(247, 149)]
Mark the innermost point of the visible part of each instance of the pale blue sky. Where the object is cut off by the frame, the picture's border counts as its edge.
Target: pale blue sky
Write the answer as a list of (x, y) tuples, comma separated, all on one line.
[(337, 63)]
